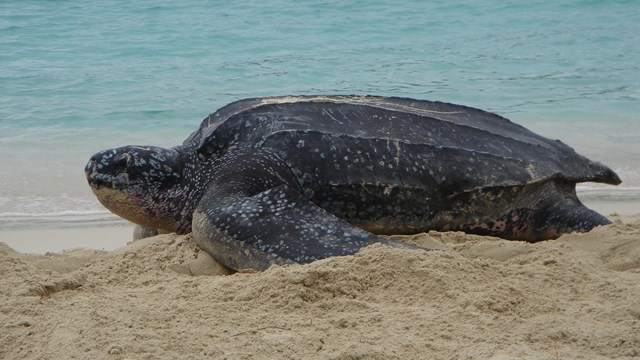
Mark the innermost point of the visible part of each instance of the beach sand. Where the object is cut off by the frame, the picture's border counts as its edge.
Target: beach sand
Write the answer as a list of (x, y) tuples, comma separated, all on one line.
[(478, 297)]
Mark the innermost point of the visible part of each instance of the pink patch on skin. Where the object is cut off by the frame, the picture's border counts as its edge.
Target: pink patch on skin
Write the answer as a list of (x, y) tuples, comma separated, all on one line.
[(136, 200), (499, 226)]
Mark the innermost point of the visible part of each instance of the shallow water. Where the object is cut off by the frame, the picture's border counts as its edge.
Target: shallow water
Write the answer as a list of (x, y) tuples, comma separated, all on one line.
[(77, 76)]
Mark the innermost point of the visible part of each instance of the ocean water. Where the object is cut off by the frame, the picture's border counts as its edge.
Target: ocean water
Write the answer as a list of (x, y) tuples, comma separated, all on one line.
[(80, 76)]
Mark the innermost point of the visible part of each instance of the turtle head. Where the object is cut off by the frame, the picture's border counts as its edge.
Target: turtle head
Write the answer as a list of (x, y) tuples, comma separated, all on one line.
[(143, 184)]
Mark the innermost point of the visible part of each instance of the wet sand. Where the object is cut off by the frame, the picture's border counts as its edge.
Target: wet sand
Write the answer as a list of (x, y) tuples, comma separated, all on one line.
[(58, 239)]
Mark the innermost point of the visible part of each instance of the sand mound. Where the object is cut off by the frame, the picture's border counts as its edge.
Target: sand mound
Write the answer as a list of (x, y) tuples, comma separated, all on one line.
[(480, 297)]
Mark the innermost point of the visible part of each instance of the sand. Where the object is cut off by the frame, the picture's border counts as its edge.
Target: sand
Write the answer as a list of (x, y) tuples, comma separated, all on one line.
[(478, 297)]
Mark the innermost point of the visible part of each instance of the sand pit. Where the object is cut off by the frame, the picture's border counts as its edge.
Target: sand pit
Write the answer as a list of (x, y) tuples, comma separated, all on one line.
[(479, 297)]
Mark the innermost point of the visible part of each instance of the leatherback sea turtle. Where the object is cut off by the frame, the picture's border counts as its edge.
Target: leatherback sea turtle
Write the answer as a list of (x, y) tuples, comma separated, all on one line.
[(299, 178)]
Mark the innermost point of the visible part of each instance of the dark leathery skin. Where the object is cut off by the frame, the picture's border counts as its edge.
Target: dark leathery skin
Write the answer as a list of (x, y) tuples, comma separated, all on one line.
[(382, 164)]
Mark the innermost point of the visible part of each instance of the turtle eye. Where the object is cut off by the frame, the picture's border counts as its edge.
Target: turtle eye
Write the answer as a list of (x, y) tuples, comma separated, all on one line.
[(122, 161)]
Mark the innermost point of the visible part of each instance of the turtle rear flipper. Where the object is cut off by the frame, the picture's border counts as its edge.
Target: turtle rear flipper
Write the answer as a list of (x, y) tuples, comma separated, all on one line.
[(255, 216), (548, 211), (566, 216)]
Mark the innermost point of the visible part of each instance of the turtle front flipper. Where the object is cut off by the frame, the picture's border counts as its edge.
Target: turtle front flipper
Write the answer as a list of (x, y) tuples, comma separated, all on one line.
[(142, 232), (255, 215)]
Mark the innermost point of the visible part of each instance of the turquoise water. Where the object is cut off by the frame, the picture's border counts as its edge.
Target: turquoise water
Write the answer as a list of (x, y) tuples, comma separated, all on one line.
[(80, 76)]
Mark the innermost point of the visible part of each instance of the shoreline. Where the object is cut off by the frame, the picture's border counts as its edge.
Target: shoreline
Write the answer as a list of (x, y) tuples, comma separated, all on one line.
[(60, 239), (608, 206), (30, 235)]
